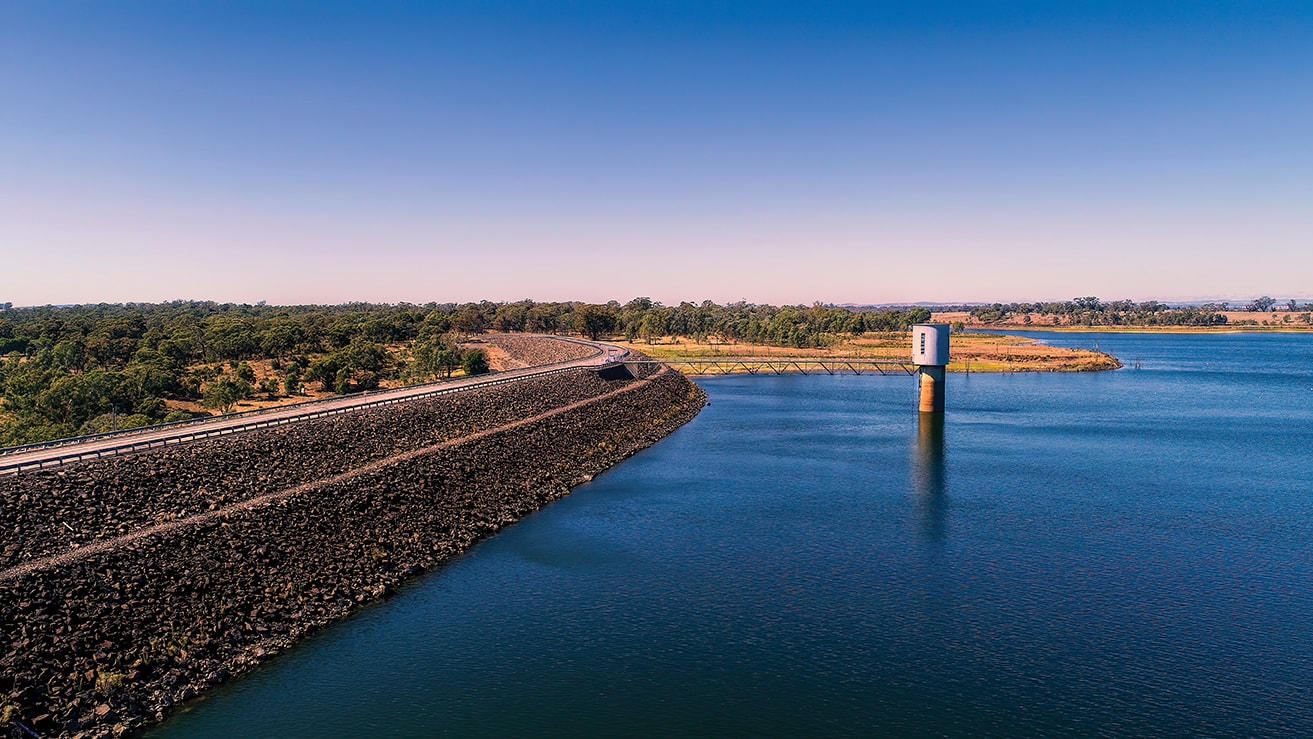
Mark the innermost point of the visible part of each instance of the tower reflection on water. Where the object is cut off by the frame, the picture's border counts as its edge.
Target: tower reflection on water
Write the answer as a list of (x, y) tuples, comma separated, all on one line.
[(928, 476)]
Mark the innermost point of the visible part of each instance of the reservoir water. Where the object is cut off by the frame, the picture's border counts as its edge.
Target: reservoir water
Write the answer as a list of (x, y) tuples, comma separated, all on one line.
[(1116, 553)]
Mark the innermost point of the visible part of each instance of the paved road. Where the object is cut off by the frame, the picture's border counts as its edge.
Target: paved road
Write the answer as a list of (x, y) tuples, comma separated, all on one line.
[(108, 444)]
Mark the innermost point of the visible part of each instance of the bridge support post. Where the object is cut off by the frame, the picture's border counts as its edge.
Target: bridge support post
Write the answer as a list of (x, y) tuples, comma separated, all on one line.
[(930, 355)]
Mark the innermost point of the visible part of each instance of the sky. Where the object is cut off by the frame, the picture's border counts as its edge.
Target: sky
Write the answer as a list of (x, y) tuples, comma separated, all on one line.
[(843, 152)]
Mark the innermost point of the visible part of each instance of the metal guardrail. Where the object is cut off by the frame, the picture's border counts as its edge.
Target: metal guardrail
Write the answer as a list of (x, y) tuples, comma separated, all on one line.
[(441, 388)]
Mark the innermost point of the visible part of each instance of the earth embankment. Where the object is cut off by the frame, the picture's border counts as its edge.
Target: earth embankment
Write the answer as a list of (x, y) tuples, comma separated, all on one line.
[(129, 585)]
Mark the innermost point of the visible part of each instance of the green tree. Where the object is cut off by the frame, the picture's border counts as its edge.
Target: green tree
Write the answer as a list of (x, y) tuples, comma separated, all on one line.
[(325, 370), (73, 400), (431, 354), (232, 337), (594, 320), (342, 381), (474, 362), (281, 338), (69, 355), (1261, 305), (651, 326), (225, 392), (364, 356), (245, 373), (470, 321)]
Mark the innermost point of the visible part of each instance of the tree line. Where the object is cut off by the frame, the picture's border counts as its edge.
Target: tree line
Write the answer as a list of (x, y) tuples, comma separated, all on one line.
[(1090, 311)]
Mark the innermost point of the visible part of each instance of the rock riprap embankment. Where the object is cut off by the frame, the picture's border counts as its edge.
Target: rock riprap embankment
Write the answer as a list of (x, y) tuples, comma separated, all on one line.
[(190, 564), (528, 350)]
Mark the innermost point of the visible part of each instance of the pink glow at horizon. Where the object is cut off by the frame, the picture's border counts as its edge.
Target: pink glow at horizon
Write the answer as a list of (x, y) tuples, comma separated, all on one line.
[(287, 255)]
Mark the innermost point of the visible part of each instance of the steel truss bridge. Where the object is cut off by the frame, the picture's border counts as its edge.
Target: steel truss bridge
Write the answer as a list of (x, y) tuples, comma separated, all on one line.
[(782, 365)]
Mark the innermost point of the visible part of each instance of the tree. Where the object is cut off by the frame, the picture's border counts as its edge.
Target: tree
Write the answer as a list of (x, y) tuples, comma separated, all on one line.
[(367, 381), (245, 373), (470, 321), (281, 338), (433, 356), (73, 400), (231, 337), (474, 362), (342, 381), (510, 317), (448, 361), (364, 356), (1261, 305), (68, 354), (594, 320), (324, 370), (917, 315), (224, 393), (651, 326)]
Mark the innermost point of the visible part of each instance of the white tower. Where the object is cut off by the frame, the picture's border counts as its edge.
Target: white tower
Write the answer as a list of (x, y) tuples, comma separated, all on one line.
[(930, 355)]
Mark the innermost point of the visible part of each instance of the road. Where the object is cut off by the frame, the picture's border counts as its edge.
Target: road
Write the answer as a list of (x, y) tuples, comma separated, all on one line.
[(70, 450)]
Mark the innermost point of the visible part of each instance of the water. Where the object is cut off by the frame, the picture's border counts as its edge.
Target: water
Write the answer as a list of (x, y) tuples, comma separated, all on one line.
[(1115, 553)]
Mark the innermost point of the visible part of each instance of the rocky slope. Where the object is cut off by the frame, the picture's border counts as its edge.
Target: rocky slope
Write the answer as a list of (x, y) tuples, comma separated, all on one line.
[(527, 350)]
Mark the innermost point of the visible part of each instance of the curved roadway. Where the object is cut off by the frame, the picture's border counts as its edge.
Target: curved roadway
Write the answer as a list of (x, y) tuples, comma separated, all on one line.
[(72, 449)]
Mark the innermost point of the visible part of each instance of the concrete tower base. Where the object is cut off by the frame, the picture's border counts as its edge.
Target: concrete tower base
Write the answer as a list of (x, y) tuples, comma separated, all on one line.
[(932, 389)]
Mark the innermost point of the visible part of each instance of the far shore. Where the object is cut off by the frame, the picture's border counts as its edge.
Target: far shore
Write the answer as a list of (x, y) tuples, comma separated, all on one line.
[(972, 352), (1237, 322), (1143, 329)]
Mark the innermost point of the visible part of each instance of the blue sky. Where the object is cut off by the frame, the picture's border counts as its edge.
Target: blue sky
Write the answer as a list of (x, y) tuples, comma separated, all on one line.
[(776, 152)]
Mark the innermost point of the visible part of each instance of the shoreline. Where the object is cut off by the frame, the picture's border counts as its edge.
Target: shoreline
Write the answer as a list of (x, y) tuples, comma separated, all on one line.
[(973, 352), (1145, 329)]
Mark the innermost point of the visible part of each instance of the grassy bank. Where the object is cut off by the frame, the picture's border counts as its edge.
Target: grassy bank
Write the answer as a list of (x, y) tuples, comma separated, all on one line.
[(972, 352)]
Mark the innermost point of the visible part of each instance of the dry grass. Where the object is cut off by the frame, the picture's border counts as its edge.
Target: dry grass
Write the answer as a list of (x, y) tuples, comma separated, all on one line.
[(497, 360)]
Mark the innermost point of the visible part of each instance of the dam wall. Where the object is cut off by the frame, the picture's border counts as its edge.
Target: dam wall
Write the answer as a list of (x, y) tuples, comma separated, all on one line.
[(132, 584)]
